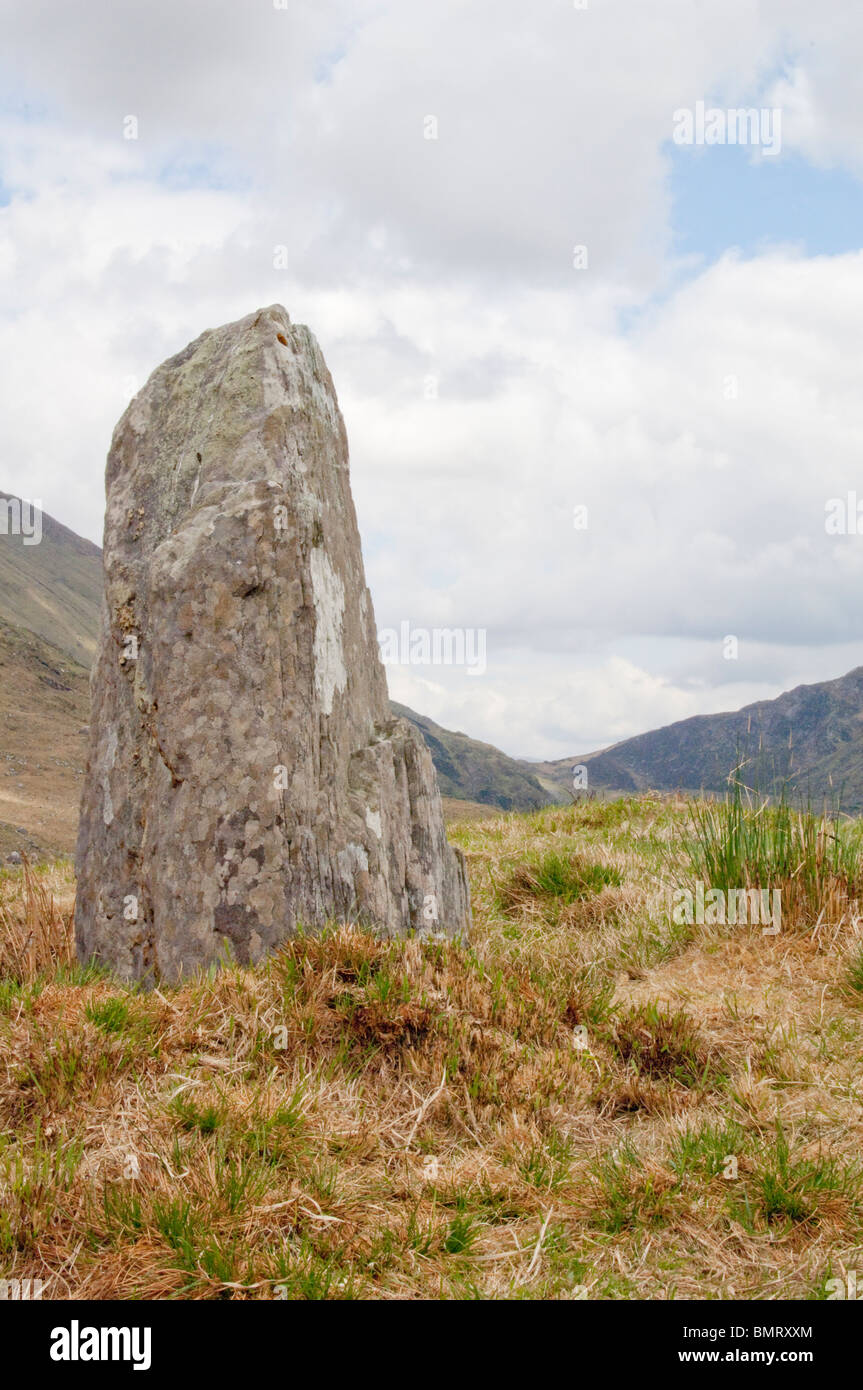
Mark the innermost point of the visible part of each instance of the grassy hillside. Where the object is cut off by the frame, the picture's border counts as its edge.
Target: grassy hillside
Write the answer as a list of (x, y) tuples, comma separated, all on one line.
[(587, 1101), (50, 595), (53, 589), (810, 738), (474, 771), (44, 706)]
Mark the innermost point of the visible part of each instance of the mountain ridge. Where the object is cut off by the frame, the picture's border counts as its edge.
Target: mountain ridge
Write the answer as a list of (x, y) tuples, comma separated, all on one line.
[(809, 739)]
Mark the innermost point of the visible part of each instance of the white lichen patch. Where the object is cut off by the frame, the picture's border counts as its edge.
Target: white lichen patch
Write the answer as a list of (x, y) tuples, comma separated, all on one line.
[(373, 821), (351, 859), (110, 758), (329, 596)]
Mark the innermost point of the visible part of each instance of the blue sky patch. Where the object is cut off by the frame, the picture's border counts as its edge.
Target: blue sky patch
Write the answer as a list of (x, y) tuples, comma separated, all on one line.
[(722, 197)]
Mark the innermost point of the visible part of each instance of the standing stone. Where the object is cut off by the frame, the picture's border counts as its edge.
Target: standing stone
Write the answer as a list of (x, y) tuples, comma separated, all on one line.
[(245, 776)]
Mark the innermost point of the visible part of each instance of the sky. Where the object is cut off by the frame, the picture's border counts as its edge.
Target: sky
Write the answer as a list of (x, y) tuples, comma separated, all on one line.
[(603, 389)]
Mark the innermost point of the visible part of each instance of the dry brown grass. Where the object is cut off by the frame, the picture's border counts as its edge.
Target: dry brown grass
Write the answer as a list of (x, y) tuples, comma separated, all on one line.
[(36, 934), (548, 1111)]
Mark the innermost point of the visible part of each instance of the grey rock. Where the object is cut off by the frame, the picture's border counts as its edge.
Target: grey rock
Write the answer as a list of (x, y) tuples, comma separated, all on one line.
[(245, 777), (13, 858)]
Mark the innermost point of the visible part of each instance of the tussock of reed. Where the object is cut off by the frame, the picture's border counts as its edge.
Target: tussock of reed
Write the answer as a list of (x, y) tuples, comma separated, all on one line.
[(749, 842)]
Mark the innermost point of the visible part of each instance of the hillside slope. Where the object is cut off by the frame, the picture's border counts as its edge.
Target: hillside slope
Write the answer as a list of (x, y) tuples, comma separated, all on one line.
[(474, 771), (44, 706), (54, 588)]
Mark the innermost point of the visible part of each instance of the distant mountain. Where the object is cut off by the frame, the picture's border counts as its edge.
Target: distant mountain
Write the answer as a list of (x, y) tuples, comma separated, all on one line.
[(810, 738), (471, 771)]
